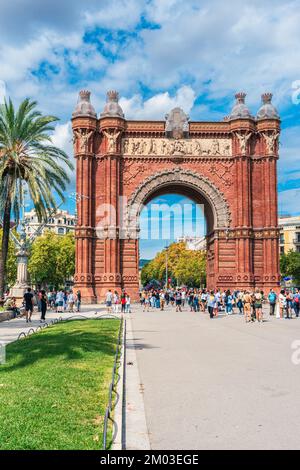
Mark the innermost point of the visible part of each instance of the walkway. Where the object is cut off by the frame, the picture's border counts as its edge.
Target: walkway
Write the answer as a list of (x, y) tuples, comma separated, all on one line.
[(10, 330), (218, 384)]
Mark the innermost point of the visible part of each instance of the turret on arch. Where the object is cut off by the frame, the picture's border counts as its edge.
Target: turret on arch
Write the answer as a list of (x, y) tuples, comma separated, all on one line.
[(229, 166)]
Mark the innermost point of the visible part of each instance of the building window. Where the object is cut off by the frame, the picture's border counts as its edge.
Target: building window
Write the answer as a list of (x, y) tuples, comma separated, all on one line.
[(281, 238), (60, 231), (282, 250), (297, 237)]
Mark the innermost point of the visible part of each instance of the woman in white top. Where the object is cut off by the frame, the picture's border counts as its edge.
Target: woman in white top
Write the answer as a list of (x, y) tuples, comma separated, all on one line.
[(282, 303), (116, 302)]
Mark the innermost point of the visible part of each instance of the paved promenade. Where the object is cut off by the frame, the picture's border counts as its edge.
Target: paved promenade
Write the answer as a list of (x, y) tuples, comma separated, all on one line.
[(10, 330), (218, 384)]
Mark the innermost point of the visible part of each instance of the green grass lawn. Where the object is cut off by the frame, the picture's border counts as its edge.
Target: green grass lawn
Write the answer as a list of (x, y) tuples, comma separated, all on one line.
[(54, 386)]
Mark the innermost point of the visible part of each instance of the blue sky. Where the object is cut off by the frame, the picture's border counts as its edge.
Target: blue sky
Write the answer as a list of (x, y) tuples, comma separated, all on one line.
[(158, 54)]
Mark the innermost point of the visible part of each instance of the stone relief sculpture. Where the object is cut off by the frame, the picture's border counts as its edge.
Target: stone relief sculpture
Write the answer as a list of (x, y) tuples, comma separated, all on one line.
[(271, 141), (82, 136), (243, 140), (177, 124), (173, 147), (112, 141)]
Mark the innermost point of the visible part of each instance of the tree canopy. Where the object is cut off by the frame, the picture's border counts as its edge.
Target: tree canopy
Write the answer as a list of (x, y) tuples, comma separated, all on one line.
[(184, 266), (52, 259), (290, 265)]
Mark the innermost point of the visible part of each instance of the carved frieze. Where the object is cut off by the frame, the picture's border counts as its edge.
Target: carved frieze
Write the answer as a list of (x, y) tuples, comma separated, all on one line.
[(177, 147)]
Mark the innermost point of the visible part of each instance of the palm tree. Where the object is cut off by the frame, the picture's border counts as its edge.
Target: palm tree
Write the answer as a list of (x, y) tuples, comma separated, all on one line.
[(28, 160)]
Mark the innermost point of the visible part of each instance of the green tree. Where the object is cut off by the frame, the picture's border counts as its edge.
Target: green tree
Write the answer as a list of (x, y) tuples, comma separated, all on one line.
[(186, 266), (290, 265), (28, 160), (11, 263), (52, 259)]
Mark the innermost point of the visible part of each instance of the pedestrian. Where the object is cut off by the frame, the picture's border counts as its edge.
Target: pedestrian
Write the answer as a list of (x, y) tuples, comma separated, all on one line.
[(258, 298), (146, 303), (282, 303), (296, 304), (178, 301), (128, 304), (78, 301), (289, 304), (28, 301), (71, 301), (183, 296), (247, 300), (43, 300), (162, 300), (272, 297), (60, 301), (116, 302), (239, 303), (123, 302), (211, 304), (228, 303), (108, 300)]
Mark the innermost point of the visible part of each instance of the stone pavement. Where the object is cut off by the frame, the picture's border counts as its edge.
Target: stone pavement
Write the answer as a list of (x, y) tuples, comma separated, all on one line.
[(10, 330), (218, 384)]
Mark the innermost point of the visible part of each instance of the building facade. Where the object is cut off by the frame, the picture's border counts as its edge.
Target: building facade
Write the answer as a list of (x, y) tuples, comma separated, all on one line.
[(60, 223), (289, 234), (230, 167), (193, 243)]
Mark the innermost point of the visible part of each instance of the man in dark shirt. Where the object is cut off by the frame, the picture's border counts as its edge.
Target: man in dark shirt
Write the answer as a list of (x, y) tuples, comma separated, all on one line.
[(28, 301)]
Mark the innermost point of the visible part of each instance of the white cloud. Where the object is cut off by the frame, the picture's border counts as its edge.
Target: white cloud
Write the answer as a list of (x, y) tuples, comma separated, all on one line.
[(289, 202), (157, 106), (2, 91)]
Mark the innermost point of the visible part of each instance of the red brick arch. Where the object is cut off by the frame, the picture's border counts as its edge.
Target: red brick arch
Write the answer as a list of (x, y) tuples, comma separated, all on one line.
[(229, 165)]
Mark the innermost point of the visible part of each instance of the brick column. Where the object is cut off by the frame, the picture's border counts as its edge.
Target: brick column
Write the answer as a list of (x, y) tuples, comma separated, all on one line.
[(111, 130), (84, 124)]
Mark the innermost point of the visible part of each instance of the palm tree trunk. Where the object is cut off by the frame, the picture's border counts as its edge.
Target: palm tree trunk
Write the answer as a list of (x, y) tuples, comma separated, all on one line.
[(4, 245)]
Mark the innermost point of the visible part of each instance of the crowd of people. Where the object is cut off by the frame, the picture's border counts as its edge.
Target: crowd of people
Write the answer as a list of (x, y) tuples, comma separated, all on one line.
[(248, 303), (116, 302), (58, 301), (244, 302)]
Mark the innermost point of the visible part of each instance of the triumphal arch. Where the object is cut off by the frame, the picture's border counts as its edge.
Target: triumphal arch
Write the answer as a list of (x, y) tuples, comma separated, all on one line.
[(228, 166)]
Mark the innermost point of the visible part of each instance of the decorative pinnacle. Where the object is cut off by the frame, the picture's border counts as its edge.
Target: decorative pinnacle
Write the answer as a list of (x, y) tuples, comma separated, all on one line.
[(266, 97), (85, 95), (113, 95), (241, 97)]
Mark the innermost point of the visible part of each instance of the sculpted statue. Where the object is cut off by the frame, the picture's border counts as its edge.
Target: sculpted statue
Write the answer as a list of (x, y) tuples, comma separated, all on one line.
[(271, 141), (243, 140), (112, 141), (83, 136)]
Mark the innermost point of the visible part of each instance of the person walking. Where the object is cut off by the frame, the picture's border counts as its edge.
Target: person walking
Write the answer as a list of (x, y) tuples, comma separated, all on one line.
[(258, 298), (178, 301), (108, 300), (60, 301), (162, 300), (146, 303), (28, 301), (123, 302), (239, 303), (116, 302), (247, 306), (127, 304), (78, 301), (71, 301), (296, 304), (272, 297), (43, 299), (228, 303), (289, 304), (211, 304), (282, 303)]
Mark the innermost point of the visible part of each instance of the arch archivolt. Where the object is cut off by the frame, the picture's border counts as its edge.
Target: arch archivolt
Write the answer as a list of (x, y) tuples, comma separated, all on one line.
[(179, 177)]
